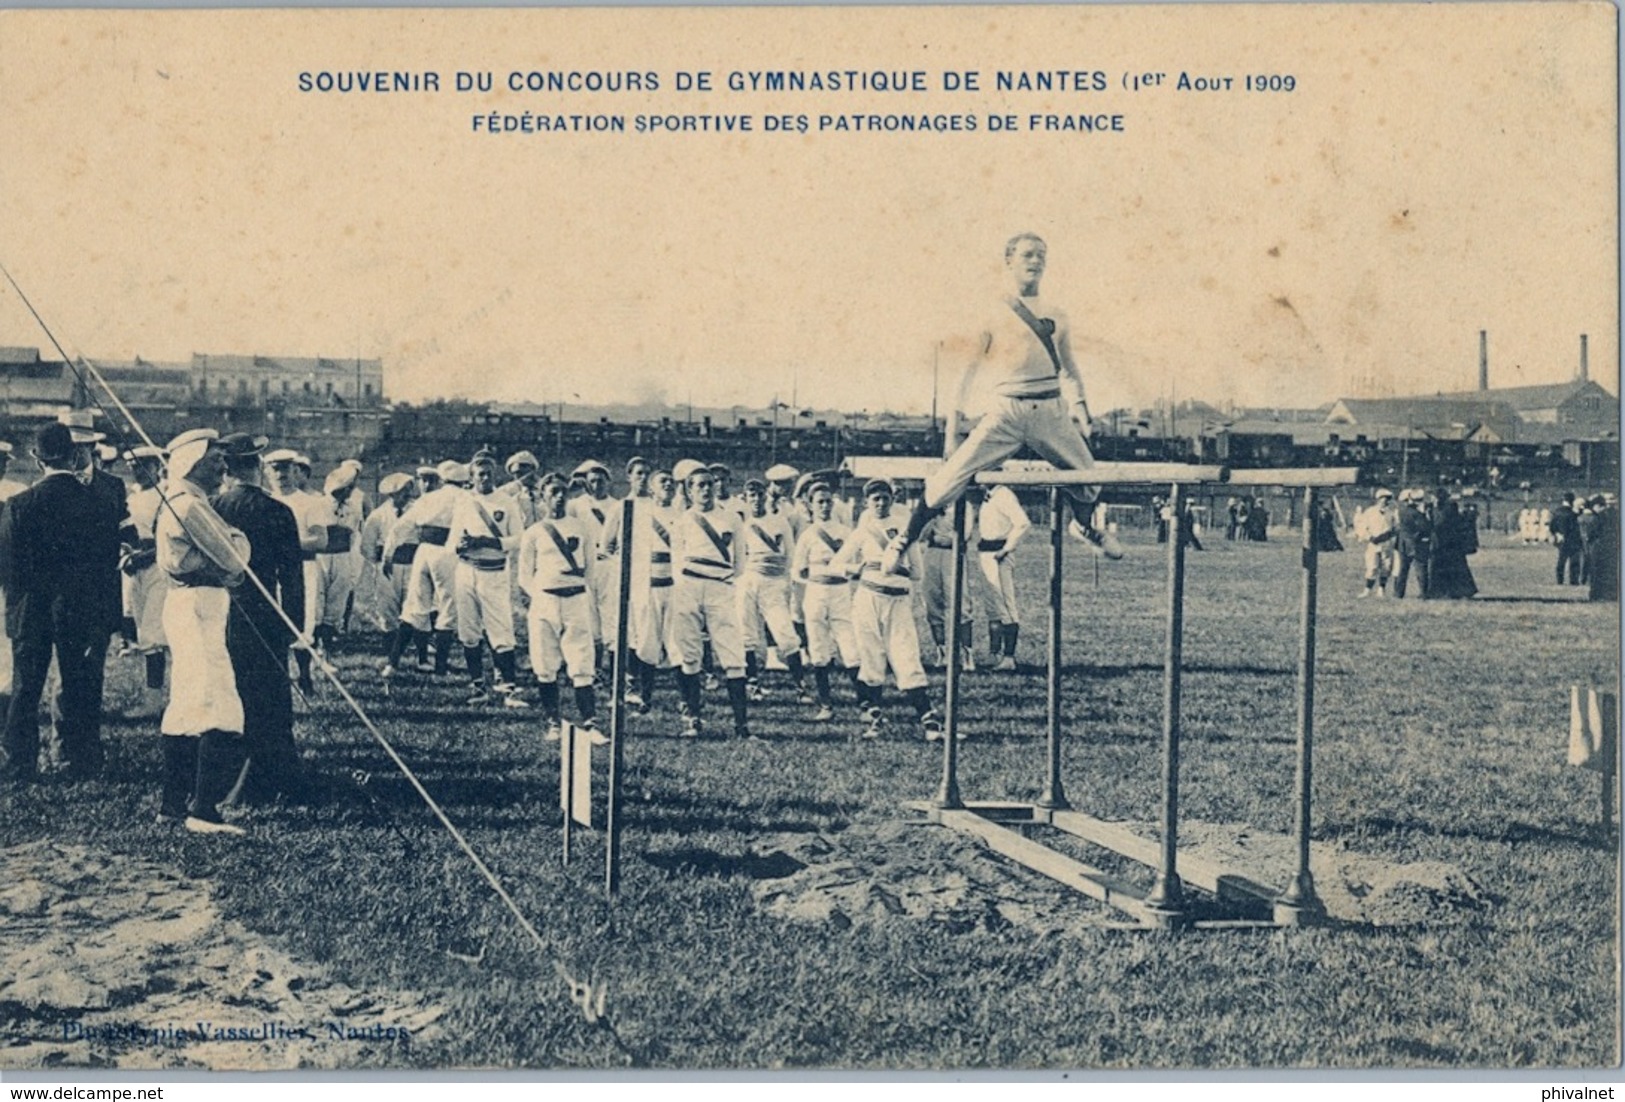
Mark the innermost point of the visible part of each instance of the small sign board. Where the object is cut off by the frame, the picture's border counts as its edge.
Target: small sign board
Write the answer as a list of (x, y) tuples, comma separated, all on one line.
[(575, 773)]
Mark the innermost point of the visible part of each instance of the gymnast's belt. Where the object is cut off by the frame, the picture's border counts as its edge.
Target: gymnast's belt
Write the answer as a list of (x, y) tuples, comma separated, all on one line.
[(828, 579), (484, 566), (566, 591), (990, 545), (688, 573), (403, 554), (433, 534), (888, 590), (1044, 390)]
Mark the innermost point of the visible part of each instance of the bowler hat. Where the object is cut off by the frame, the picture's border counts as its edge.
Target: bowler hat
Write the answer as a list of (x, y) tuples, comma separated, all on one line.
[(54, 443)]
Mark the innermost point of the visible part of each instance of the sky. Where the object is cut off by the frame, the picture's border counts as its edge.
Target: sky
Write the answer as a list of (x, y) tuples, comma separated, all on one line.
[(1435, 171)]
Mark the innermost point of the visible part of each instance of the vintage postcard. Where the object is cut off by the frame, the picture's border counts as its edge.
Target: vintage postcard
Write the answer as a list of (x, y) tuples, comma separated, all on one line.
[(483, 588)]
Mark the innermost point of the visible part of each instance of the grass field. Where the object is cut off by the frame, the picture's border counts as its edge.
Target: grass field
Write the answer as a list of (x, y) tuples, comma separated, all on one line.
[(1441, 735)]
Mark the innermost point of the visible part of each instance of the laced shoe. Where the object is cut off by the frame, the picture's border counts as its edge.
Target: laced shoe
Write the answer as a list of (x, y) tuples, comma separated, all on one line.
[(931, 724), (824, 714), (1101, 543), (872, 723)]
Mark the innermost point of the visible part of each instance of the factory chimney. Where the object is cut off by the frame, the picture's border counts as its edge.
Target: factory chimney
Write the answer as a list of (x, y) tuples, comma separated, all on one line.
[(1585, 367), (1483, 360)]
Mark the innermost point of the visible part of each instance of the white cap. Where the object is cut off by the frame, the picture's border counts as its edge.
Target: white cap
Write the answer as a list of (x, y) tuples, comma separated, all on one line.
[(187, 448), (681, 469)]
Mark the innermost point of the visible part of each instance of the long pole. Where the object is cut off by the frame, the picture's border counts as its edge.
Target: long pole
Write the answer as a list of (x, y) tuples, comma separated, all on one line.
[(1167, 896), (617, 714), (948, 794), (1299, 903), (1054, 795)]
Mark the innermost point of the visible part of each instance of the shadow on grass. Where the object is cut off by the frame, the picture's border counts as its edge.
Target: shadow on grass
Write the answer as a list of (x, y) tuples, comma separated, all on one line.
[(1594, 838), (686, 814), (752, 866), (1509, 600)]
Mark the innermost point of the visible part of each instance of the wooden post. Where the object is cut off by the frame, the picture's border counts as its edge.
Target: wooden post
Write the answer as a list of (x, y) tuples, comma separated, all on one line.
[(948, 794), (1167, 897), (617, 714), (1054, 795), (1299, 903)]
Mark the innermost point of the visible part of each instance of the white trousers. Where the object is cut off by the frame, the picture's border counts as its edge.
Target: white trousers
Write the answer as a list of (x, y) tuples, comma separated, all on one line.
[(560, 630), (431, 589), (886, 636), (484, 607), (202, 688), (1042, 425), (764, 600), (829, 625), (700, 606)]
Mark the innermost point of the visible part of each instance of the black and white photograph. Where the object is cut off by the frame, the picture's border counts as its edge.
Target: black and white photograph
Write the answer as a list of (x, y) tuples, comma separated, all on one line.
[(896, 540)]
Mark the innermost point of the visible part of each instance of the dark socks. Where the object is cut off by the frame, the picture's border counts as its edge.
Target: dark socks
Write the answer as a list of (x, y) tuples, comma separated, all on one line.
[(918, 701), (219, 759), (155, 670), (507, 666), (404, 634), (548, 691), (180, 774), (688, 686), (586, 703), (736, 699), (442, 651), (821, 683), (474, 659)]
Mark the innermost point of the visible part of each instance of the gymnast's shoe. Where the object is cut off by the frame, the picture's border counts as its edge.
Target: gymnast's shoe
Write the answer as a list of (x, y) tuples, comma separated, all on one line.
[(199, 825), (1101, 543), (871, 723), (931, 724)]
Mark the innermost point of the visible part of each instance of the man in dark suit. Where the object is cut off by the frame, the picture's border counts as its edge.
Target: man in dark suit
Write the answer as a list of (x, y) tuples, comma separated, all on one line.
[(1565, 531), (57, 540), (257, 638), (1414, 544)]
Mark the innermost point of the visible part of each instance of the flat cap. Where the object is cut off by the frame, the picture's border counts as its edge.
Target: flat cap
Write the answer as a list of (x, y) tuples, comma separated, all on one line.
[(394, 483)]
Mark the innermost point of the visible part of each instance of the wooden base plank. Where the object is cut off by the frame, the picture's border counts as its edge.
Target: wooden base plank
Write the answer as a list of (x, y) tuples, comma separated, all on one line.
[(1092, 882), (1207, 875)]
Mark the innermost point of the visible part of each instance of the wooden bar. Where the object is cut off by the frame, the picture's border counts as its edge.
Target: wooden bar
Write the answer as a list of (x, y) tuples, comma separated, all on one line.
[(1076, 875), (948, 794), (1108, 474), (1296, 477), (1054, 794)]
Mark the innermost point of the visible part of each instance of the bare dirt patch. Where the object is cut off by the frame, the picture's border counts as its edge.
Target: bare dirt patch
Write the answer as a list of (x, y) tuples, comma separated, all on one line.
[(110, 961), (910, 871)]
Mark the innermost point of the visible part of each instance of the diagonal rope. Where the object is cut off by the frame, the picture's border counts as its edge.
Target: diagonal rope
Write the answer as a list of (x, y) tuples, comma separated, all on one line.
[(590, 998)]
